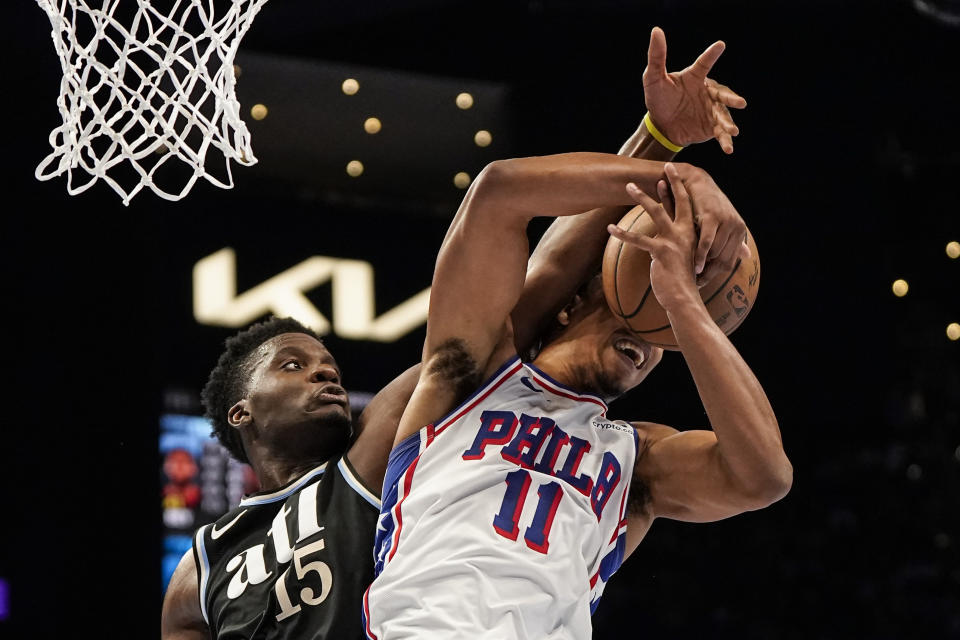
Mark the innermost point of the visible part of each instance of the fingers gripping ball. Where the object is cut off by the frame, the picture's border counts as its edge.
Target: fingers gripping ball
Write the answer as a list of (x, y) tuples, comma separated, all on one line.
[(626, 285)]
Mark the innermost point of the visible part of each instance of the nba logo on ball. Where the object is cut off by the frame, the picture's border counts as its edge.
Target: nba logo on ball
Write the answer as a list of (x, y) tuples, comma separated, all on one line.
[(626, 286)]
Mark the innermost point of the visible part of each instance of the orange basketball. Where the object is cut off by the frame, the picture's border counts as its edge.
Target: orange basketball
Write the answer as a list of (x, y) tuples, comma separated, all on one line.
[(626, 285)]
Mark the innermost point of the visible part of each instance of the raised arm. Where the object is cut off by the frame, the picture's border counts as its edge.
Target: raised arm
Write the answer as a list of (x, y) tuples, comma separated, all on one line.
[(481, 266), (740, 465), (685, 107), (377, 426)]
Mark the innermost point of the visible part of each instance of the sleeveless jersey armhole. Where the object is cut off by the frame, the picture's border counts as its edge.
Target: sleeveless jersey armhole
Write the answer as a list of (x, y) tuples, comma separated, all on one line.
[(203, 574), (356, 483)]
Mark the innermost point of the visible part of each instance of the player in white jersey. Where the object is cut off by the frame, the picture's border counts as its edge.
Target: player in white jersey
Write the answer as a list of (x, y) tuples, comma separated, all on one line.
[(530, 468), (507, 513)]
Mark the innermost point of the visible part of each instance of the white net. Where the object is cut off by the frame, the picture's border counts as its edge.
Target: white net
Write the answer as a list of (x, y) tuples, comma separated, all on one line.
[(144, 87)]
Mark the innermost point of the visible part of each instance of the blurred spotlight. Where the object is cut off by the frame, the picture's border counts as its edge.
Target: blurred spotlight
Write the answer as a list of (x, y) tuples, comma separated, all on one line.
[(900, 288), (943, 11), (941, 540), (914, 472), (350, 86), (237, 71), (354, 168), (956, 453), (258, 111), (482, 138), (4, 600), (953, 331), (462, 180), (953, 249), (372, 125), (464, 100)]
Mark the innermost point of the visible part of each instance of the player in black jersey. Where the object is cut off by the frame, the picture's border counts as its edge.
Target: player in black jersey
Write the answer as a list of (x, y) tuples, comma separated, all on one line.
[(292, 561)]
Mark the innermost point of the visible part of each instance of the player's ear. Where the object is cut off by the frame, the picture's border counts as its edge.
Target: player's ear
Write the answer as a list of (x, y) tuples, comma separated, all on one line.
[(237, 415), (564, 316)]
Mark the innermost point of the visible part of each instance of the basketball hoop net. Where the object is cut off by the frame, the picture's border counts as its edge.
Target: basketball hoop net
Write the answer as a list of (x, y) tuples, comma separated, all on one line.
[(142, 87)]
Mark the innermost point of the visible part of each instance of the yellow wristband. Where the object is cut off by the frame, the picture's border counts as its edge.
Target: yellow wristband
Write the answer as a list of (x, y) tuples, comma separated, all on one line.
[(659, 137)]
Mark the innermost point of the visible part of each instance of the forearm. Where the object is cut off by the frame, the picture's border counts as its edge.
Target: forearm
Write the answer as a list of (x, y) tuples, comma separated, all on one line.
[(575, 244), (570, 252), (642, 144), (565, 184), (748, 437)]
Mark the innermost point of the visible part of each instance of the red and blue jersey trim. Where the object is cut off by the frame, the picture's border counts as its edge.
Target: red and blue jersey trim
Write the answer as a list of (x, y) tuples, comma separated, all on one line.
[(510, 367), (403, 463), (564, 391)]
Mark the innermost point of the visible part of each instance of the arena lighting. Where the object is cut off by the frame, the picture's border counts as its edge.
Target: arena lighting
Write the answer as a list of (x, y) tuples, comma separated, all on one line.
[(462, 180), (953, 331), (953, 249), (216, 303), (900, 288), (943, 11), (354, 168), (372, 125), (482, 138), (464, 100), (350, 86), (258, 111)]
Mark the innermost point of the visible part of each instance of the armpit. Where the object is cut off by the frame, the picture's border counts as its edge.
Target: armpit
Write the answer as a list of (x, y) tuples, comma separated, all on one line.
[(639, 499), (451, 362)]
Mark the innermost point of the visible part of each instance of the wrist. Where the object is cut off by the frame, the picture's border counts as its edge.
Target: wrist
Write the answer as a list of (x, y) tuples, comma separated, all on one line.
[(660, 135), (643, 145), (686, 305)]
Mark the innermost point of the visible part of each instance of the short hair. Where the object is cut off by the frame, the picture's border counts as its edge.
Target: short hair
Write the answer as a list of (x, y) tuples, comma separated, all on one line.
[(228, 381)]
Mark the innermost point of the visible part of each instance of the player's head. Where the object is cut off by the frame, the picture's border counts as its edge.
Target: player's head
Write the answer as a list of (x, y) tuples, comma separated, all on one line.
[(276, 388), (596, 348)]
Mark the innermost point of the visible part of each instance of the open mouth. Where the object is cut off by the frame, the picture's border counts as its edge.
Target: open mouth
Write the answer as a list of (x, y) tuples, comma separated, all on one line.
[(632, 351)]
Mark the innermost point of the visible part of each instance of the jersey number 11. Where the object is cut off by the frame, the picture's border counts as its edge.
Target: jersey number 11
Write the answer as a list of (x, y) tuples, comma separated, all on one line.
[(506, 521)]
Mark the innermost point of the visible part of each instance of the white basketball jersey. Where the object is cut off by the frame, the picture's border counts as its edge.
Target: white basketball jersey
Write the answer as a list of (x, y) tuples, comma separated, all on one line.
[(505, 519)]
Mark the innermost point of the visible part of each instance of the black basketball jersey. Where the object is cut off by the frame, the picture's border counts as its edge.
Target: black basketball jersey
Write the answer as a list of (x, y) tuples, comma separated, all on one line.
[(291, 563)]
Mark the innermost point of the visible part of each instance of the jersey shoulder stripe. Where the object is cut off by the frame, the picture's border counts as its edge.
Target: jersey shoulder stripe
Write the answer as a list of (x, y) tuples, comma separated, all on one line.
[(508, 368), (203, 571), (564, 391), (353, 480), (426, 436)]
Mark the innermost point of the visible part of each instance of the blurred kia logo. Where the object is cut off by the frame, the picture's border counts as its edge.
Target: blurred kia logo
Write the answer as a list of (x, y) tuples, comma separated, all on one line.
[(215, 299)]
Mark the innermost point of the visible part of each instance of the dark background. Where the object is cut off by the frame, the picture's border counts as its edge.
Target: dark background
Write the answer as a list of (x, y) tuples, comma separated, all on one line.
[(845, 171)]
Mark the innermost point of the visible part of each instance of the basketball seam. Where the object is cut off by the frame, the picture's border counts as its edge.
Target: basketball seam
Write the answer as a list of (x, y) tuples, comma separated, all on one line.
[(705, 302), (616, 280)]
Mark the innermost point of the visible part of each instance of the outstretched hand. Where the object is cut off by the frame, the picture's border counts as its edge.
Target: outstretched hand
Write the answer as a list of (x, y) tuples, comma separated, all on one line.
[(672, 248), (687, 106)]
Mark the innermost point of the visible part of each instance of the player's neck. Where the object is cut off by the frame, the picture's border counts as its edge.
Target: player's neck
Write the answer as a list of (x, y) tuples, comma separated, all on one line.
[(274, 472), (558, 360)]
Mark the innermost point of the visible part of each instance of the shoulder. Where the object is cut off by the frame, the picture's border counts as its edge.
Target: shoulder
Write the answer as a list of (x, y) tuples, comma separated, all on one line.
[(650, 432), (182, 618)]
